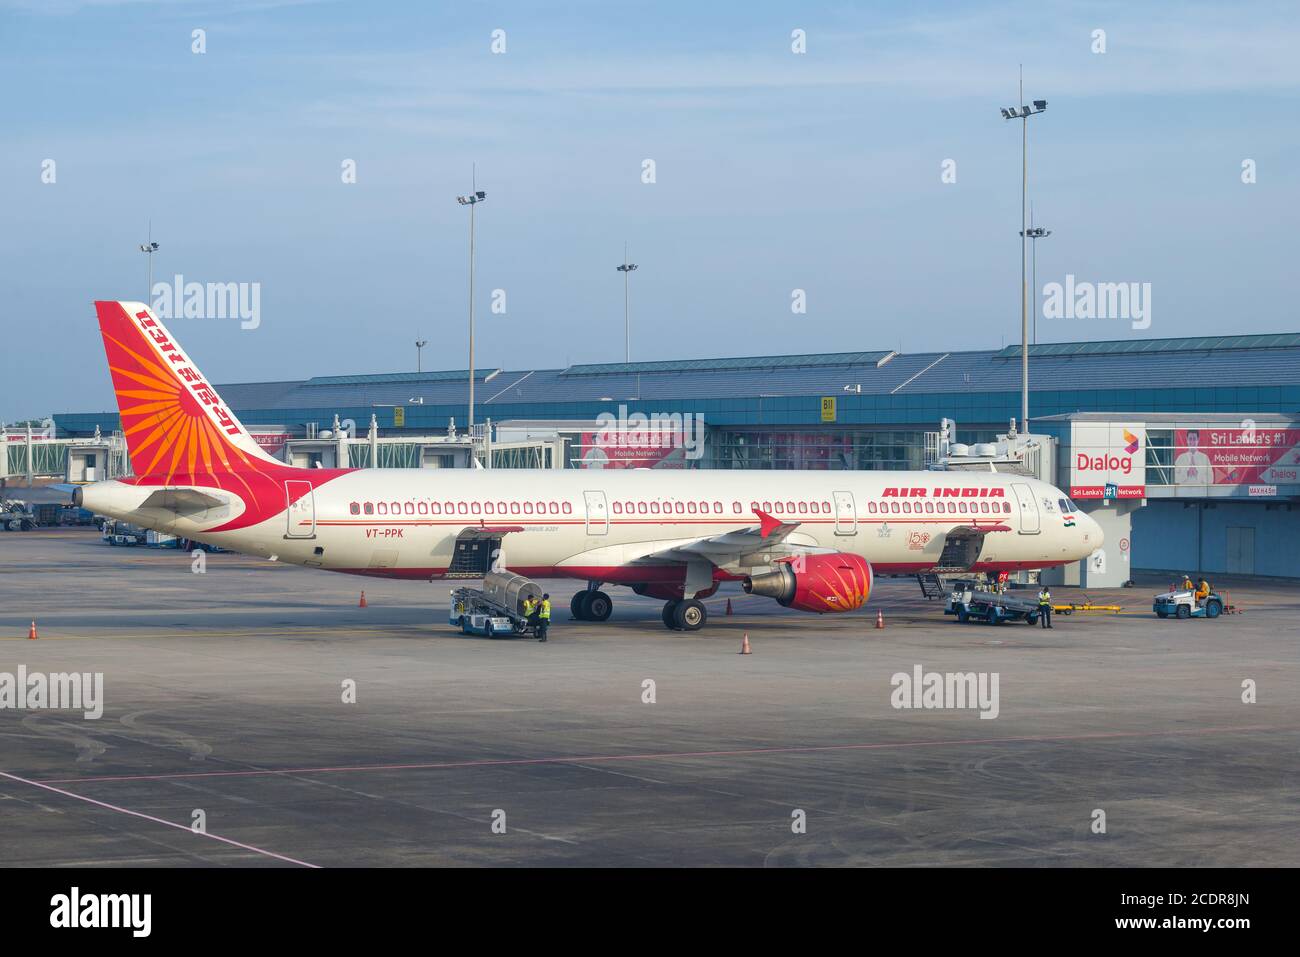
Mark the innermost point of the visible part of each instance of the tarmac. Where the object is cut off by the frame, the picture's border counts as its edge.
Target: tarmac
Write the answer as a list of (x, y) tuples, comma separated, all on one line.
[(224, 704)]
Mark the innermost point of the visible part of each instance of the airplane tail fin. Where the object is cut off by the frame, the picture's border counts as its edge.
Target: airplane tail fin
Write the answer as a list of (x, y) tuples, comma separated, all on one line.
[(176, 425)]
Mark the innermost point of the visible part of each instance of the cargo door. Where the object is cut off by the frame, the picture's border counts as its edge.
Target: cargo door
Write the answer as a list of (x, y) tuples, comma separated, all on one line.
[(846, 514)]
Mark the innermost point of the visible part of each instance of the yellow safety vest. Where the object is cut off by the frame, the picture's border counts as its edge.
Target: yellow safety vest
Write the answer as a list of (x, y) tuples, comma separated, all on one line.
[(529, 606), (546, 609), (1045, 598)]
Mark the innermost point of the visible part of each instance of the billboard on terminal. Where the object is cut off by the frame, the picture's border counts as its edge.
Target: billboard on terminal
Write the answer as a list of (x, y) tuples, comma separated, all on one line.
[(1255, 457), (651, 449), (1108, 460)]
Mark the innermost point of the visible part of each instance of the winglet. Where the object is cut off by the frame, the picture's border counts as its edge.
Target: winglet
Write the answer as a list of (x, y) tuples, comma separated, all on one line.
[(767, 524)]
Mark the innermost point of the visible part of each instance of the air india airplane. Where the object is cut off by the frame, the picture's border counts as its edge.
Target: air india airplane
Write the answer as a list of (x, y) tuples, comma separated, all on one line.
[(809, 540)]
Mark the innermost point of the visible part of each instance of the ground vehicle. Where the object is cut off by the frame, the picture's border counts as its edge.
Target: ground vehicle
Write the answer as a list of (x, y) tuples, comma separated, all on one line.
[(496, 608), (117, 532), (1183, 604), (14, 516), (970, 603)]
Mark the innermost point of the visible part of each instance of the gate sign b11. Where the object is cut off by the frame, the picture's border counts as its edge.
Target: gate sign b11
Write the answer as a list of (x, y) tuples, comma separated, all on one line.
[(1108, 460)]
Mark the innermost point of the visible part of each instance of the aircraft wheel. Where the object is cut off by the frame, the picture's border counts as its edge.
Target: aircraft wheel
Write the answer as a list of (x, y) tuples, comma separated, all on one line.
[(670, 614), (690, 615), (596, 606)]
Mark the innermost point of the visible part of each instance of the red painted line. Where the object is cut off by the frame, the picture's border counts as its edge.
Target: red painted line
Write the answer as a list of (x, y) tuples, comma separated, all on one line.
[(660, 755), (157, 820)]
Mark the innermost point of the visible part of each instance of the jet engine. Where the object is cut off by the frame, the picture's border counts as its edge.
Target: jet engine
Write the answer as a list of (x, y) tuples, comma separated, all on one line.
[(821, 583)]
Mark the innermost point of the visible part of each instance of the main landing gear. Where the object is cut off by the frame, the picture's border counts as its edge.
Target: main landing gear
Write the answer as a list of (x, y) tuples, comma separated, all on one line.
[(685, 614), (591, 605)]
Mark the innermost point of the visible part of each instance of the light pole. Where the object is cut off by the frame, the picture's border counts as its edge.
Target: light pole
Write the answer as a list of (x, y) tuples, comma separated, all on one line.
[(1023, 113), (472, 200), (626, 269), (419, 346), (150, 247), (1036, 233)]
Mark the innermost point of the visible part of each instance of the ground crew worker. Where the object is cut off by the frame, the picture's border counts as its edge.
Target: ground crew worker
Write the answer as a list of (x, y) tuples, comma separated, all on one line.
[(543, 617), (1187, 584), (1202, 592), (1044, 607), (530, 609)]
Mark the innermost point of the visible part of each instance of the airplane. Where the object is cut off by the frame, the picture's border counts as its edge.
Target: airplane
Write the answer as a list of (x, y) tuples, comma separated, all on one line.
[(810, 540)]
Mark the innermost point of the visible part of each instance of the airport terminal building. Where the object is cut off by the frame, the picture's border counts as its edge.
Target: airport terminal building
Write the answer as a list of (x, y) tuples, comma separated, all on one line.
[(1187, 450)]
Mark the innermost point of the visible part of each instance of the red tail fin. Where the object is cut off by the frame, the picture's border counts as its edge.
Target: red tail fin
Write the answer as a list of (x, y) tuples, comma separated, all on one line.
[(175, 423)]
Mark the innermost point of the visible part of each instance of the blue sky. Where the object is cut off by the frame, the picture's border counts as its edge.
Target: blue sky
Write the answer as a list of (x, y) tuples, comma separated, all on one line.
[(775, 171)]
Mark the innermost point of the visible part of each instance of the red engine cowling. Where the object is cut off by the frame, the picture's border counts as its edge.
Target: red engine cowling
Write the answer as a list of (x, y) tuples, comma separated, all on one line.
[(820, 583)]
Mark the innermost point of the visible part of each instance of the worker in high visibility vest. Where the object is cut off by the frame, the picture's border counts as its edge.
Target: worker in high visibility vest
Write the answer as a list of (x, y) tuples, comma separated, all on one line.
[(530, 609), (1045, 607), (543, 617)]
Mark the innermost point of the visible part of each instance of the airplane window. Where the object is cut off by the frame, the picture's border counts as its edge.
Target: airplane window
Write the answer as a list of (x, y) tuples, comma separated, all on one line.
[(475, 508), (753, 506), (528, 508), (568, 508), (383, 508), (422, 508), (640, 508), (1073, 507), (690, 507), (984, 507), (617, 506), (961, 506), (767, 507), (654, 508), (789, 506), (929, 506), (501, 508), (780, 509), (895, 508), (717, 508), (355, 508), (826, 507), (369, 508), (679, 508), (488, 507), (435, 508), (871, 507), (1006, 508), (737, 507), (1065, 508), (514, 508)]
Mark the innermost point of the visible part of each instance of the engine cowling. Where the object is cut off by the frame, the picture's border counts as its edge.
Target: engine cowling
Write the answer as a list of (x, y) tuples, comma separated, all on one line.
[(826, 584)]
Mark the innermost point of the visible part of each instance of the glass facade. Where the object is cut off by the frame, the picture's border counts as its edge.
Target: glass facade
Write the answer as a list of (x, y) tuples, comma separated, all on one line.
[(830, 449)]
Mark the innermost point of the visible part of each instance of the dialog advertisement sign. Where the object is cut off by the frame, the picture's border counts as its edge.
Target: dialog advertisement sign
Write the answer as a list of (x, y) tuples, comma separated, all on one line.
[(1108, 460), (1259, 458)]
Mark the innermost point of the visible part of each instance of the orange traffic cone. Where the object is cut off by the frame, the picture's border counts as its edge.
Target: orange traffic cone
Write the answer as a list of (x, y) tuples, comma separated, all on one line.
[(880, 619), (362, 603), (728, 606), (744, 645), (31, 635)]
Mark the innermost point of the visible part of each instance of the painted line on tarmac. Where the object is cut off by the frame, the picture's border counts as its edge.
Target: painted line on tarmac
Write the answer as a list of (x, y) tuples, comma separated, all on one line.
[(157, 820), (661, 755)]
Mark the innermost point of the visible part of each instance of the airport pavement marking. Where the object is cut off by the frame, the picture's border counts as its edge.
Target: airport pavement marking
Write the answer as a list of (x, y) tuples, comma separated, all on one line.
[(659, 755), (158, 820)]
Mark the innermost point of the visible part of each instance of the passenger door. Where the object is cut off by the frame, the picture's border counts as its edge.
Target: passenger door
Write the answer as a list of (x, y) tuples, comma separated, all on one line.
[(846, 514), (597, 513), (300, 506), (1029, 521)]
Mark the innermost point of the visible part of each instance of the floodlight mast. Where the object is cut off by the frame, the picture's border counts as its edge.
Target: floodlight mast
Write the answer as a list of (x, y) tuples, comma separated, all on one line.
[(1023, 113)]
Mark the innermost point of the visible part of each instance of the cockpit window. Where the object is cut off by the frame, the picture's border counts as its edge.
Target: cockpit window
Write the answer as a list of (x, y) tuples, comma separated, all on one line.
[(1067, 505)]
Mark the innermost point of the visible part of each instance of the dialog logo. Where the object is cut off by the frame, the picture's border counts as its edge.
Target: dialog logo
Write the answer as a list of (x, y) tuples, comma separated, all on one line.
[(1132, 441)]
